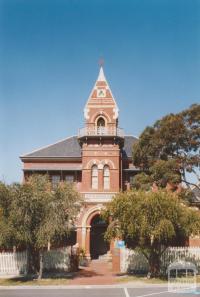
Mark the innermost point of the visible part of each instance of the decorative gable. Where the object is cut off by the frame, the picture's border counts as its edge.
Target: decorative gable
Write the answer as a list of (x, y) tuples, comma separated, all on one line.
[(101, 102)]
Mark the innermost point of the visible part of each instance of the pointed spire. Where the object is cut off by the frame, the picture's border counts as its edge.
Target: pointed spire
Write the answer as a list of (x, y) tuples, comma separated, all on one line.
[(101, 93), (101, 76)]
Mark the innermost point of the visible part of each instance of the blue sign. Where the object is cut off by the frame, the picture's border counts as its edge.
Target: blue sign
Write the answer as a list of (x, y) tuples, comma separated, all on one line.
[(120, 244)]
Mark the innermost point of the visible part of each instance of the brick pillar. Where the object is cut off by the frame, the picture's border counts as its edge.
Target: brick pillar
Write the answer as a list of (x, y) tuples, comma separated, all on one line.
[(87, 243), (100, 179), (116, 260), (112, 245), (79, 236)]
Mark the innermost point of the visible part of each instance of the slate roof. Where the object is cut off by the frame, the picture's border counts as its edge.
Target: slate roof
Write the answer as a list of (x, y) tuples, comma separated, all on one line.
[(70, 148)]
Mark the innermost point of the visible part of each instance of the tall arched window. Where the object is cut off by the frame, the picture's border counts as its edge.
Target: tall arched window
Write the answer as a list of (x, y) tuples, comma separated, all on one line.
[(100, 126), (94, 177), (101, 122), (106, 177)]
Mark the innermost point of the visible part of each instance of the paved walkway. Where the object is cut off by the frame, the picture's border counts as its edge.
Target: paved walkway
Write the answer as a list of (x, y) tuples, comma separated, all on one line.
[(97, 273)]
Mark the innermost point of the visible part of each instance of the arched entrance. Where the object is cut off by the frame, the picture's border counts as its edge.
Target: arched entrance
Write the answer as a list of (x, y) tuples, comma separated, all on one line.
[(98, 245)]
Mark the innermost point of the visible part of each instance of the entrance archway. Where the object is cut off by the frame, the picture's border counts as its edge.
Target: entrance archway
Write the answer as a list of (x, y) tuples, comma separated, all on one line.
[(98, 245)]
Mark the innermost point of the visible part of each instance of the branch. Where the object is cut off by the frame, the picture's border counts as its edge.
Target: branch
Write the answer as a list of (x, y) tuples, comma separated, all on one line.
[(195, 173), (146, 256), (192, 184), (164, 250), (184, 179)]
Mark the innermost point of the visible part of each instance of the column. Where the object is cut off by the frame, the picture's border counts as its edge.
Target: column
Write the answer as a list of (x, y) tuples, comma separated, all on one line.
[(87, 243)]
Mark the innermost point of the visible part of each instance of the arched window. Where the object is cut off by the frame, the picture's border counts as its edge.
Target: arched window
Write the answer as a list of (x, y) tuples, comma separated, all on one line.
[(101, 122), (94, 177), (100, 126), (106, 177)]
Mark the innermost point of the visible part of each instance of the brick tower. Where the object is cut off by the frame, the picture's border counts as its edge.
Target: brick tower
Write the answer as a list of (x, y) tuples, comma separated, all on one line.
[(101, 141)]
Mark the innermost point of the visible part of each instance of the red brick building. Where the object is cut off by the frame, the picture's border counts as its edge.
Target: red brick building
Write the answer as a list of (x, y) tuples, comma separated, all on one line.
[(97, 160)]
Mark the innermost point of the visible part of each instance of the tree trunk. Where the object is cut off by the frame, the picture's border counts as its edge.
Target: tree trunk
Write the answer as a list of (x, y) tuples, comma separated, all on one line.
[(154, 265), (48, 246), (41, 266), (33, 260)]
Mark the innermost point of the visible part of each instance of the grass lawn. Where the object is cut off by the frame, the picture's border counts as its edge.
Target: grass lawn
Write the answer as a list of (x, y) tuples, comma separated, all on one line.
[(25, 281), (136, 278), (64, 280), (141, 278)]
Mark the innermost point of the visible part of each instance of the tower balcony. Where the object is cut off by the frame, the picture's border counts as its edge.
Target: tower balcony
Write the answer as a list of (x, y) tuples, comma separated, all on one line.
[(100, 131)]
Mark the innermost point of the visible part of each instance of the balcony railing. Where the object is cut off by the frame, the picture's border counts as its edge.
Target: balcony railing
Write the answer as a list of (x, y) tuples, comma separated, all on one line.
[(101, 131)]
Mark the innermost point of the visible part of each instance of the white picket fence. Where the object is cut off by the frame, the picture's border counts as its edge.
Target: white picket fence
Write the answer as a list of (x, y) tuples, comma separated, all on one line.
[(189, 254), (58, 260), (16, 263), (134, 261), (13, 263)]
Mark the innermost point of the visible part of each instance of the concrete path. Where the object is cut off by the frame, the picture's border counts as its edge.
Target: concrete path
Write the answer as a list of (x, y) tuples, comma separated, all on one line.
[(99, 272)]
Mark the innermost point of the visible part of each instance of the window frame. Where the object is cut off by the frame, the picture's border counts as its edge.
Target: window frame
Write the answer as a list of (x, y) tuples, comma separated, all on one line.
[(106, 177), (94, 177), (55, 182)]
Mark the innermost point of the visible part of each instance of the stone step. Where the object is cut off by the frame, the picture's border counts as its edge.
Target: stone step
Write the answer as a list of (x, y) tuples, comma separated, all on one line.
[(105, 257)]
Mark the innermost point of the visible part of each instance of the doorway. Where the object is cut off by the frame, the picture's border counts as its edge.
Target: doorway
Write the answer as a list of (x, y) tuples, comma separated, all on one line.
[(98, 245)]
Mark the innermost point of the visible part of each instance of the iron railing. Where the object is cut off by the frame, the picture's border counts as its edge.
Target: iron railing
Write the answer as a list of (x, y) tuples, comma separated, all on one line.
[(101, 131)]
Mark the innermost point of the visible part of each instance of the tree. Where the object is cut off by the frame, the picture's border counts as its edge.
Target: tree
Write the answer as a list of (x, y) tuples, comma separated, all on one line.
[(7, 233), (38, 215), (150, 221), (170, 149)]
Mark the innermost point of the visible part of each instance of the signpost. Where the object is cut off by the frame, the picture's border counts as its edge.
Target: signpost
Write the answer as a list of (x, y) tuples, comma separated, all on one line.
[(120, 244)]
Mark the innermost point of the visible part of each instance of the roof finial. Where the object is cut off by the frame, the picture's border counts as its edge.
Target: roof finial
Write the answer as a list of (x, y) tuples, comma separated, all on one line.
[(101, 62)]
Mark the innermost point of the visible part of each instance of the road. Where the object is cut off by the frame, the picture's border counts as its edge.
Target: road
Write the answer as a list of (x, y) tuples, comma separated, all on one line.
[(93, 292)]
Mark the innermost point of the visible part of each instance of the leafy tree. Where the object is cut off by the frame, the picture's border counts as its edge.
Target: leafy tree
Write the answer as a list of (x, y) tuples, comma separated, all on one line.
[(170, 149), (142, 181), (7, 233), (38, 215), (150, 221)]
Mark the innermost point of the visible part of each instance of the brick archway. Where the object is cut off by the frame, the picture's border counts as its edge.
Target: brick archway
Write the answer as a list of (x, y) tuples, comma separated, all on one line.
[(86, 228), (86, 225)]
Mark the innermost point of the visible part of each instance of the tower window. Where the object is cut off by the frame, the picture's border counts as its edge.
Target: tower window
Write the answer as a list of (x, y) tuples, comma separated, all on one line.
[(94, 177), (106, 177), (101, 122)]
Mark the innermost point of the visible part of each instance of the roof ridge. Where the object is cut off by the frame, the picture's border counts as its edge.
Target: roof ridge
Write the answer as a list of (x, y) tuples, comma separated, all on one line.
[(46, 146), (128, 135)]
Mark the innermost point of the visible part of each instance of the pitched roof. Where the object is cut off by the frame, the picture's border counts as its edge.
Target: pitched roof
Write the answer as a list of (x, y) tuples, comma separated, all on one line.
[(70, 148)]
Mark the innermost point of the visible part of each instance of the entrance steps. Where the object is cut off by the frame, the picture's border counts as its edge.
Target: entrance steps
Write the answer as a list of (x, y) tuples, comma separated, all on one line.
[(106, 257)]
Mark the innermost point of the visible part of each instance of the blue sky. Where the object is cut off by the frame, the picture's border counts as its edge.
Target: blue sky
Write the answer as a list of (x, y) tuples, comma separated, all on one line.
[(49, 52)]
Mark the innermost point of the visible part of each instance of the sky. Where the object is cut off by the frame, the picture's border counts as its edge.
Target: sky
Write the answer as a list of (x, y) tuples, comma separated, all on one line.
[(49, 53)]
